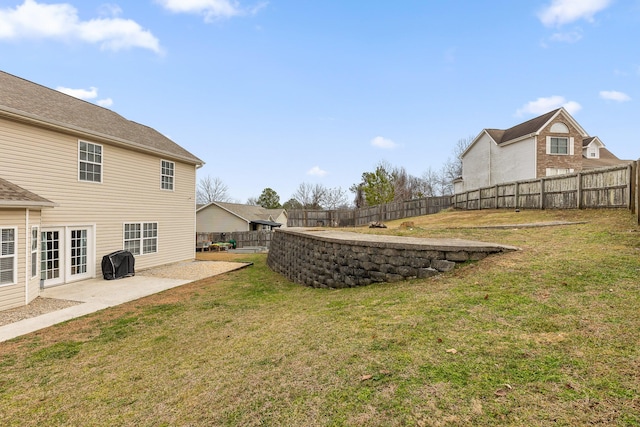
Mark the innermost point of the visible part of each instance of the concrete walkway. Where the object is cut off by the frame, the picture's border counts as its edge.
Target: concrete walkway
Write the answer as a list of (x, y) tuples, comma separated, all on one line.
[(94, 295)]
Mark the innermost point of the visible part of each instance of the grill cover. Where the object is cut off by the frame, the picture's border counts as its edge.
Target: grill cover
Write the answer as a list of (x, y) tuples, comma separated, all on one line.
[(117, 265)]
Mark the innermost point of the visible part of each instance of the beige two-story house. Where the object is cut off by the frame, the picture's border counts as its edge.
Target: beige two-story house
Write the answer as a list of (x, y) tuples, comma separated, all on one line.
[(550, 144), (78, 181)]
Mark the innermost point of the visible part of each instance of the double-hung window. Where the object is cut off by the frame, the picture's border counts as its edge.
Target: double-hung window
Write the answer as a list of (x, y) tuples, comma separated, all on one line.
[(559, 145), (7, 256), (167, 175), (141, 238), (89, 162)]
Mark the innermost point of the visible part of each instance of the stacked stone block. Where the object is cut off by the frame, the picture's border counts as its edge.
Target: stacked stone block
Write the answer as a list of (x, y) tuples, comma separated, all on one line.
[(309, 259)]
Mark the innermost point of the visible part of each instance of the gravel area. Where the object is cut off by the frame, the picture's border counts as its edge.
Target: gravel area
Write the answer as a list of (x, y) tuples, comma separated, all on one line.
[(187, 270), (37, 307)]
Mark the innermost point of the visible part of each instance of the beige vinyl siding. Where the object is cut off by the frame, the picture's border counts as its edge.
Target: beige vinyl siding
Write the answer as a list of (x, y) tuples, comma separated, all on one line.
[(282, 219), (46, 163), (213, 219), (14, 295)]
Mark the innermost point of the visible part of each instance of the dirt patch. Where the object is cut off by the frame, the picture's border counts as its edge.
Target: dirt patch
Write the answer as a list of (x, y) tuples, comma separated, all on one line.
[(186, 270), (192, 270)]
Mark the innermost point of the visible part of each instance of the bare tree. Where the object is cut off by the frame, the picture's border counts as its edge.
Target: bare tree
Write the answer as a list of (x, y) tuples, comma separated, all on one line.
[(429, 182), (452, 168), (310, 196), (212, 190), (335, 198)]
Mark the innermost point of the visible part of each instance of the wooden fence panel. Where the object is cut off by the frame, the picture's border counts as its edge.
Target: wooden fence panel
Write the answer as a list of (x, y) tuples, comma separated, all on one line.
[(506, 196), (600, 188), (364, 216), (608, 188), (243, 238)]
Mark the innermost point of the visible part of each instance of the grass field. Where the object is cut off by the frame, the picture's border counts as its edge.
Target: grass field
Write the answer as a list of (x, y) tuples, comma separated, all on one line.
[(549, 335)]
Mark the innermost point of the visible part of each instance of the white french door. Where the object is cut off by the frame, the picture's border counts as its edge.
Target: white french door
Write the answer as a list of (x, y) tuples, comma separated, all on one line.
[(67, 254)]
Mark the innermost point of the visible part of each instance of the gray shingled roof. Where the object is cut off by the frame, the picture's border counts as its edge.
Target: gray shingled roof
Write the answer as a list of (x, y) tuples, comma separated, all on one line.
[(28, 99), (587, 141), (526, 128), (12, 195), (250, 213), (607, 158)]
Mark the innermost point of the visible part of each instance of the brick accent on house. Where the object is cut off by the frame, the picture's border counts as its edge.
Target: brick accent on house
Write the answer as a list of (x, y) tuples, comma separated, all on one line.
[(545, 160)]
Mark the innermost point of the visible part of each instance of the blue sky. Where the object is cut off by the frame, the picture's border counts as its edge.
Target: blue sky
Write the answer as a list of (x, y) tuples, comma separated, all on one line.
[(280, 92)]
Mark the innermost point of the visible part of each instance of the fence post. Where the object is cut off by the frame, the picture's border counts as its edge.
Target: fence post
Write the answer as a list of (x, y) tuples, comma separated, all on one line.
[(517, 195), (579, 190), (637, 191), (496, 199), (631, 188), (541, 193)]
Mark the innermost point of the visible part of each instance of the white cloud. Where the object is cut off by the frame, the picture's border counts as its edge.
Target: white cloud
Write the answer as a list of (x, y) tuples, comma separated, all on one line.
[(86, 95), (614, 95), (79, 93), (106, 103), (33, 20), (544, 105), (316, 171), (211, 9), (561, 12), (570, 37), (385, 143)]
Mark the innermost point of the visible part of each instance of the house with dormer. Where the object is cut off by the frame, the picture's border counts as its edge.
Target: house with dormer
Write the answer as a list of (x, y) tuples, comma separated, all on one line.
[(551, 144), (79, 181)]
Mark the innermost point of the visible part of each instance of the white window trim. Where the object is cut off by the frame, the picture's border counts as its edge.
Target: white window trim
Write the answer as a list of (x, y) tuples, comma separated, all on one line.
[(569, 143), (36, 250), (559, 127), (93, 163), (14, 280), (559, 171), (173, 177), (141, 238)]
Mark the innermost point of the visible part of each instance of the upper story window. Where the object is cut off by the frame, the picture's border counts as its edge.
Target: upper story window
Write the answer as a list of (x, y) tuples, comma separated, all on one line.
[(593, 152), (559, 127), (559, 145), (167, 175), (89, 162), (7, 256)]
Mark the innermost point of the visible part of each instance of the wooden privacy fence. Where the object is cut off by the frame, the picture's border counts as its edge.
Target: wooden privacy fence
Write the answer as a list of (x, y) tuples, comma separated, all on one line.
[(613, 187), (636, 189), (364, 216), (243, 238)]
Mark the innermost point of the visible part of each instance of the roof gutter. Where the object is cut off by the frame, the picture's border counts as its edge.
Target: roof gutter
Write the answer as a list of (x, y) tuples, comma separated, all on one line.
[(521, 138), (23, 204)]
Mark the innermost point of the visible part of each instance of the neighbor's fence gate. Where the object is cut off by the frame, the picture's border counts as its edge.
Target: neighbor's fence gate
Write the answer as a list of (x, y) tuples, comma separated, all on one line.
[(364, 216), (614, 187), (242, 238)]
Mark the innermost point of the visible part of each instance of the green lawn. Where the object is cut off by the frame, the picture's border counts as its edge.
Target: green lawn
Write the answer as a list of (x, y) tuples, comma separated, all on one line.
[(549, 335)]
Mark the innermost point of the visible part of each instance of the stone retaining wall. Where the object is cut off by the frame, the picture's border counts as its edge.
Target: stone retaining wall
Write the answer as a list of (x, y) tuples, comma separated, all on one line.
[(332, 259)]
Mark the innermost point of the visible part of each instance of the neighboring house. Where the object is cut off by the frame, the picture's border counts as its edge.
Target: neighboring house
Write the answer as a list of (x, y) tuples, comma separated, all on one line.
[(548, 145), (78, 181), (219, 217)]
